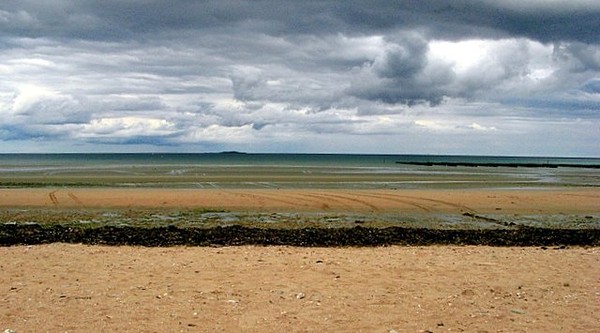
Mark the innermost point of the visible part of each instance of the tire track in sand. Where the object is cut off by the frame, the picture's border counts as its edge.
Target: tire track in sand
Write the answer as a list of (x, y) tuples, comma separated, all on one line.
[(308, 200), (397, 200), (343, 199), (320, 200), (75, 198), (460, 207), (261, 198), (52, 196), (323, 201), (402, 199)]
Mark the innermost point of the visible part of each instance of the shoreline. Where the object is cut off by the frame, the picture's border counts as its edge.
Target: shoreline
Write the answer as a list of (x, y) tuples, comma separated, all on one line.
[(206, 217), (132, 267)]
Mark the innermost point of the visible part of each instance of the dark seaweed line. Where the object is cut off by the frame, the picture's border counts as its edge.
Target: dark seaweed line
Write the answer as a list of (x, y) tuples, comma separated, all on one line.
[(15, 234)]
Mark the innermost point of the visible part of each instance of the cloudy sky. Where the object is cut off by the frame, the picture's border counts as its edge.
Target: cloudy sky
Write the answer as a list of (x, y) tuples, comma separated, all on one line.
[(509, 77)]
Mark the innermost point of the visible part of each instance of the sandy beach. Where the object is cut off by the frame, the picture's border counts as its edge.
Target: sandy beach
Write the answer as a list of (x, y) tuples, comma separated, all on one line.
[(299, 166), (81, 288), (78, 288), (505, 201)]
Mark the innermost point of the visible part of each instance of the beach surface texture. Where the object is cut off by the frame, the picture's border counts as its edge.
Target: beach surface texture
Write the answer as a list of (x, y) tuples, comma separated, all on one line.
[(86, 251), (80, 288)]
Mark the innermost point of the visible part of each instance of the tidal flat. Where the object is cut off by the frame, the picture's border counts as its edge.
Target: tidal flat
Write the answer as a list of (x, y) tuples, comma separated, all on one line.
[(295, 192)]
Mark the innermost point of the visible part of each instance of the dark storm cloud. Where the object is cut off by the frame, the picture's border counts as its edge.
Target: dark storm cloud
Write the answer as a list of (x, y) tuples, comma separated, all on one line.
[(230, 28), (110, 19), (394, 77)]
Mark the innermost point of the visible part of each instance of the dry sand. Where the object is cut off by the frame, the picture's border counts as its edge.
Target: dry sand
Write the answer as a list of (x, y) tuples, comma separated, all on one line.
[(77, 288)]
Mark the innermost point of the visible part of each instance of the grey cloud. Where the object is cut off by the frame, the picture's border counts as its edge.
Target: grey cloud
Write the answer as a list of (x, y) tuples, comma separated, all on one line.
[(394, 77), (134, 103), (189, 72), (245, 83), (36, 106), (276, 83), (553, 107), (570, 21), (407, 74), (14, 132), (64, 111), (394, 91), (578, 57), (592, 86), (133, 140), (404, 59)]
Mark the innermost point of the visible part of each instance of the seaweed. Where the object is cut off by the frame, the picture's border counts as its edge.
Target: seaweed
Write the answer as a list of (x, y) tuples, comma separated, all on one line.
[(33, 233)]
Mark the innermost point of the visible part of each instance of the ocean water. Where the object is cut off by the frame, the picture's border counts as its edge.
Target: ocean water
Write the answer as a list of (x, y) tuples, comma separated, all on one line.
[(234, 158), (240, 170)]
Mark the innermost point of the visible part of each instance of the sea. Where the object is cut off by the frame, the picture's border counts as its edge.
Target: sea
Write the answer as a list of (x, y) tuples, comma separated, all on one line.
[(253, 170)]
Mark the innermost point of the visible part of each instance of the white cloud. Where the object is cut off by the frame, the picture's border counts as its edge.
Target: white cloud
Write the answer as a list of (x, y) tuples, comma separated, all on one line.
[(433, 125), (125, 127), (29, 95), (34, 104), (478, 127), (219, 134)]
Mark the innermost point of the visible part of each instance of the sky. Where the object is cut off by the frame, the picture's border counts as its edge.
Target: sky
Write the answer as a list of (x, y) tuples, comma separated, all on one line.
[(487, 77)]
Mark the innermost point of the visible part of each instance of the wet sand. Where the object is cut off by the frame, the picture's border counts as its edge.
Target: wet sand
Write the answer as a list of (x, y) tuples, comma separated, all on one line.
[(505, 201), (78, 288)]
